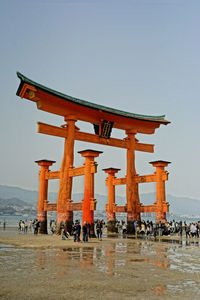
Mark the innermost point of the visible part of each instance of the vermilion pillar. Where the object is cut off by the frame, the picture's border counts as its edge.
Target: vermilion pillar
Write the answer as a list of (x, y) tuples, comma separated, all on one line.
[(111, 220), (133, 203), (89, 200), (43, 193), (65, 216), (162, 207)]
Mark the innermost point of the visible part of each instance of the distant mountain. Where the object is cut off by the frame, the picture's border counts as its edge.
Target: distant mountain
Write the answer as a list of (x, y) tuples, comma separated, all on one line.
[(24, 198), (15, 206), (14, 202), (8, 192)]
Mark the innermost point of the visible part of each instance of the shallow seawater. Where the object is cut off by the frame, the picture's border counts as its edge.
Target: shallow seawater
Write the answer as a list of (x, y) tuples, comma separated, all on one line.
[(129, 269)]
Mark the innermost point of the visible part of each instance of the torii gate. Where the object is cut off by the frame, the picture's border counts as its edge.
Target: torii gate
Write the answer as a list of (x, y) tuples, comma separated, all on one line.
[(160, 207), (103, 119)]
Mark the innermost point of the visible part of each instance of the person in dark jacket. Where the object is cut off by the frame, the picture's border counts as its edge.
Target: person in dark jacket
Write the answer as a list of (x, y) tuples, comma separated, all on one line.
[(78, 231), (74, 231), (85, 232), (36, 226), (99, 230)]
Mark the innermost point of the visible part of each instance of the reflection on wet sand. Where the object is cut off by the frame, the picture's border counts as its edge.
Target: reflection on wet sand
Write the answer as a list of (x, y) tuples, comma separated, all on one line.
[(160, 290), (110, 259), (111, 269), (113, 255), (104, 260), (40, 258)]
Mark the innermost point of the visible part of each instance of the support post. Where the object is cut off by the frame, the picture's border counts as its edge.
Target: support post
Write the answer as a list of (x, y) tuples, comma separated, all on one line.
[(89, 202), (133, 203), (43, 194), (111, 220), (65, 216), (162, 207)]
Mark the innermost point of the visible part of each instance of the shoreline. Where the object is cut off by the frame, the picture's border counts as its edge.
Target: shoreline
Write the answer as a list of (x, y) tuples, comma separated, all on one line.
[(42, 241)]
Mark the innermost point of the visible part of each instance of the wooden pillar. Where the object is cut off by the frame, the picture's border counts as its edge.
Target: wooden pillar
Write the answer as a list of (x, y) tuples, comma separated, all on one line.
[(133, 203), (43, 194), (161, 205), (111, 220), (89, 202), (65, 216)]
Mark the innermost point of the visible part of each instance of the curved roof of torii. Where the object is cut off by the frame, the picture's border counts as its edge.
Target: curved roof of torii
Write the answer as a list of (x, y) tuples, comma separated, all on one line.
[(55, 102)]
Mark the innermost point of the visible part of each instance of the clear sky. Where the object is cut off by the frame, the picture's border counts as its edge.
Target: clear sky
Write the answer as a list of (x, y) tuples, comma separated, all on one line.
[(140, 56)]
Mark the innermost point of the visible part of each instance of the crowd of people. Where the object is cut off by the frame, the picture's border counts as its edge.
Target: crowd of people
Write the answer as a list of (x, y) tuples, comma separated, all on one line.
[(85, 229), (25, 226), (164, 229), (143, 228)]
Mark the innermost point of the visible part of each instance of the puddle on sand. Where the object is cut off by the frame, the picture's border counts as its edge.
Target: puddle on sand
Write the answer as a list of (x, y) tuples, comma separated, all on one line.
[(140, 265), (6, 247)]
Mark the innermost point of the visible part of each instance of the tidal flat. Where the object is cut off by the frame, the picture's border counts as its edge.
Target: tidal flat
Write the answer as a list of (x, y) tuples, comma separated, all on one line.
[(46, 267)]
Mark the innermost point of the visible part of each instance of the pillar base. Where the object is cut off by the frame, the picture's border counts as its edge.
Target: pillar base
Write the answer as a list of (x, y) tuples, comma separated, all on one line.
[(69, 226), (131, 217), (130, 227), (43, 227), (111, 227), (64, 219), (42, 218)]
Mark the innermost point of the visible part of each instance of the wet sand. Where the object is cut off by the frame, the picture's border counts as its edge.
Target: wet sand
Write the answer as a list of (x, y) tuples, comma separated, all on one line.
[(46, 267)]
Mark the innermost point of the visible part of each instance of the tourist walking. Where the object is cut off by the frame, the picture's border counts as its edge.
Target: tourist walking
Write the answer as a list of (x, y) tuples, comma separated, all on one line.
[(65, 234)]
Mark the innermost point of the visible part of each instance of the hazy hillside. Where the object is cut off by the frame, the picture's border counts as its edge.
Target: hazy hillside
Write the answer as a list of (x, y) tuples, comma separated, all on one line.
[(8, 192), (14, 202), (15, 206), (22, 198)]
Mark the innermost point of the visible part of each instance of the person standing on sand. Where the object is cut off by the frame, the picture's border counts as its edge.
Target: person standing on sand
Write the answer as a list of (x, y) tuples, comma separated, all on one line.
[(187, 230), (197, 227), (36, 226), (30, 225), (74, 231), (78, 231), (4, 224), (124, 229), (22, 225), (25, 226), (159, 228), (99, 230), (85, 232), (65, 233)]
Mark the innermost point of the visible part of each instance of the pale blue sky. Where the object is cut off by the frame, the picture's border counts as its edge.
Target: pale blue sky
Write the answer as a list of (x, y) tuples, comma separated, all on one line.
[(138, 56)]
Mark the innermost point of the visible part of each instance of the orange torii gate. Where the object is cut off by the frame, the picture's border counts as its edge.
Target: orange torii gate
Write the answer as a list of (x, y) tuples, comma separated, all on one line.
[(160, 207), (88, 204), (103, 119)]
